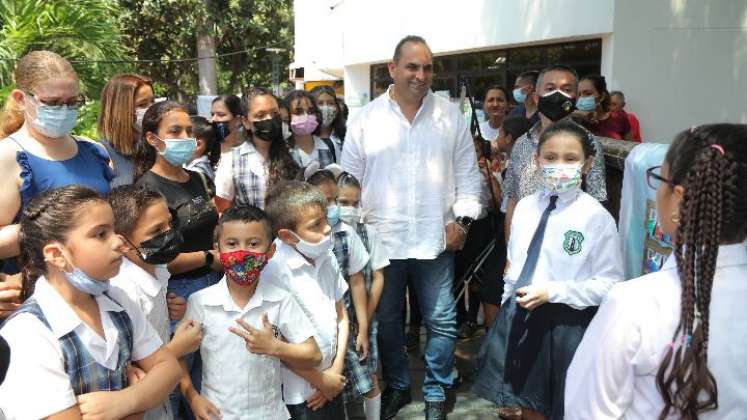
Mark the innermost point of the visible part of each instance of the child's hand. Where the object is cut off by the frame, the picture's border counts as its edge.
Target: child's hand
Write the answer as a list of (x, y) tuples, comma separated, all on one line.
[(257, 341), (10, 295), (530, 297), (177, 306), (316, 401), (187, 338), (332, 384), (134, 374), (202, 408), (104, 405), (362, 344)]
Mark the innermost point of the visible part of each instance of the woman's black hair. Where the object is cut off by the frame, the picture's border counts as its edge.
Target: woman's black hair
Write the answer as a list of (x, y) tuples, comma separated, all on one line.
[(47, 218), (232, 102), (296, 95), (516, 126), (145, 154), (600, 85), (710, 163), (338, 124), (203, 130), (282, 164)]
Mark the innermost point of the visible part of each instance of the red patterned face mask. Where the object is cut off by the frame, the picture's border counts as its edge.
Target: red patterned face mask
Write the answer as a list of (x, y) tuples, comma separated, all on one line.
[(243, 267)]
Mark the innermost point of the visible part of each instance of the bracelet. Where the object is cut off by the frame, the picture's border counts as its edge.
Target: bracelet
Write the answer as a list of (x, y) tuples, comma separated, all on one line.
[(460, 227)]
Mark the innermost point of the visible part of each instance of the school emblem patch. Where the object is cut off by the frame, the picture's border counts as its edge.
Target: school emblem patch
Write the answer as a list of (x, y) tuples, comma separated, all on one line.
[(572, 242)]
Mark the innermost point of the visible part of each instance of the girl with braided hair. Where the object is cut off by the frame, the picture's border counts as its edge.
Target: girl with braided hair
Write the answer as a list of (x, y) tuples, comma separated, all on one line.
[(671, 344), (73, 340)]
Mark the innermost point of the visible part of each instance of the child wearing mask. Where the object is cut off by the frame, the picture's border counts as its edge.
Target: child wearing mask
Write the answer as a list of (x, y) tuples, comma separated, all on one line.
[(241, 374), (348, 198), (306, 145), (73, 340), (563, 257), (332, 129), (304, 264), (207, 153), (142, 218)]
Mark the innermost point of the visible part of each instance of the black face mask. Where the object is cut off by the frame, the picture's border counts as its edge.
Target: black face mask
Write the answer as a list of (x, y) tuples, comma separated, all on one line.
[(162, 248), (222, 130), (269, 130), (556, 105)]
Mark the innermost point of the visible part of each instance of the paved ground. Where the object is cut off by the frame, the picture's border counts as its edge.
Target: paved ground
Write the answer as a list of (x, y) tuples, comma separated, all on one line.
[(467, 407)]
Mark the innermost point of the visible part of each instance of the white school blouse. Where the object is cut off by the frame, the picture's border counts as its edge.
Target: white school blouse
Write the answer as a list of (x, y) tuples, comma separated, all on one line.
[(241, 384), (613, 373), (581, 257), (317, 288), (36, 385)]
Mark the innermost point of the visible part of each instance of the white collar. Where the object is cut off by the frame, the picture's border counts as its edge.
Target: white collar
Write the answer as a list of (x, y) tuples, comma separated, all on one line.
[(60, 316), (290, 255), (219, 295), (728, 255), (395, 105), (247, 148), (150, 284)]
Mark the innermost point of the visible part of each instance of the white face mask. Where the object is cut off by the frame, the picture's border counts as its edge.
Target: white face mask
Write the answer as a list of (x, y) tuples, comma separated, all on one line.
[(314, 250), (328, 115), (350, 215), (139, 114)]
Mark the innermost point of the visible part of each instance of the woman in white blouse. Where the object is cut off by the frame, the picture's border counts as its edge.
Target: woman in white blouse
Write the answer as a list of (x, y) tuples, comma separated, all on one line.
[(673, 344)]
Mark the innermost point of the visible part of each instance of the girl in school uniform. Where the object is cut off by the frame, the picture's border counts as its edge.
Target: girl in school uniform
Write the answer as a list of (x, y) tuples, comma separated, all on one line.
[(75, 336), (563, 256), (305, 143), (673, 344)]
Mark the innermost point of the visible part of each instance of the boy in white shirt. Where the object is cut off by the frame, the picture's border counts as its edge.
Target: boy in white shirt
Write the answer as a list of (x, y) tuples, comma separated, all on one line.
[(142, 218), (305, 265), (236, 383)]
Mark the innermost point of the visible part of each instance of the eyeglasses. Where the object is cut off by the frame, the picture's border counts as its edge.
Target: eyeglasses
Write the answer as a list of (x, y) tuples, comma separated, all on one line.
[(654, 178), (76, 103)]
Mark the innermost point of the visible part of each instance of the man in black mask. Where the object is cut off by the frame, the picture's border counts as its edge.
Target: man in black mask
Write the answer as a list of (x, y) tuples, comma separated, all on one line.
[(555, 95)]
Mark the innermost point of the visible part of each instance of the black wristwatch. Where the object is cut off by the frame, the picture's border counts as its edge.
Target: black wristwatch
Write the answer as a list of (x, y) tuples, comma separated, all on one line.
[(465, 222), (208, 259)]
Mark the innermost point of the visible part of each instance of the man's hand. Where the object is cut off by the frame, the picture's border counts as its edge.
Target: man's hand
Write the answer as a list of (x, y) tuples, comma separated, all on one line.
[(177, 306), (10, 295), (530, 297), (258, 341), (187, 338), (455, 237)]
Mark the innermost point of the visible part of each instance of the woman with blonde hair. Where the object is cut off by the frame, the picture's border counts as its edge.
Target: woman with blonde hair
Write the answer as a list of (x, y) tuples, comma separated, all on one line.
[(124, 101), (37, 152)]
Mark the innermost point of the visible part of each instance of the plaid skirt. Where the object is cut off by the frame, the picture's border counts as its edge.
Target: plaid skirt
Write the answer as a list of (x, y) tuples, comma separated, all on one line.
[(359, 373)]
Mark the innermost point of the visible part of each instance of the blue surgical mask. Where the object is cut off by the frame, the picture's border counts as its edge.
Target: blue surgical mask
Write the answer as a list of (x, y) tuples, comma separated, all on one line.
[(586, 103), (519, 96), (179, 151), (333, 214), (85, 283), (55, 121)]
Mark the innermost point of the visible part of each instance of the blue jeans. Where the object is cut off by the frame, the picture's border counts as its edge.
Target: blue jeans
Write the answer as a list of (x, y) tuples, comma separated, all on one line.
[(432, 280), (184, 287)]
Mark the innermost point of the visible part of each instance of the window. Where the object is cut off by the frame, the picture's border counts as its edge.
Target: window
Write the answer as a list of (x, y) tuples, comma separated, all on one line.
[(499, 67)]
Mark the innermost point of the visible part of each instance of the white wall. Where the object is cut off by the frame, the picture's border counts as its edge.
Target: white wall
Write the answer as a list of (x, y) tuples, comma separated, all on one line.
[(680, 62)]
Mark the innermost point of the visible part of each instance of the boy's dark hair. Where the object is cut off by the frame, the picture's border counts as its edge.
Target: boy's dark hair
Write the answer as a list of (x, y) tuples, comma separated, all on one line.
[(710, 163), (286, 201), (245, 214), (47, 218), (203, 130), (322, 176), (516, 126), (555, 67), (128, 203)]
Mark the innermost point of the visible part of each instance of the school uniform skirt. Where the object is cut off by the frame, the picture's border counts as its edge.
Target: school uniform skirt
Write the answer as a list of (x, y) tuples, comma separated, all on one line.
[(524, 358)]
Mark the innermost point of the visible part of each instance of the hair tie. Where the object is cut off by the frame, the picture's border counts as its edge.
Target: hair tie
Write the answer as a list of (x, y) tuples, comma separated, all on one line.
[(719, 148)]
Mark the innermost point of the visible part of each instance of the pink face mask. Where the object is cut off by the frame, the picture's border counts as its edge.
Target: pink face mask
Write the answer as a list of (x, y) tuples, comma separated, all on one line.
[(303, 125)]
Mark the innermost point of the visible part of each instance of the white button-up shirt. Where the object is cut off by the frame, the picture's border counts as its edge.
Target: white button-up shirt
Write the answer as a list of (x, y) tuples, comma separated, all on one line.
[(149, 293), (37, 385), (317, 288), (241, 384), (580, 258), (415, 176), (225, 175), (613, 373)]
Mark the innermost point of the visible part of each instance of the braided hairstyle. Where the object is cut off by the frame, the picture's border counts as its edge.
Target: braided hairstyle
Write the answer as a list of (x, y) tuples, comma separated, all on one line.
[(282, 165), (47, 218), (713, 212)]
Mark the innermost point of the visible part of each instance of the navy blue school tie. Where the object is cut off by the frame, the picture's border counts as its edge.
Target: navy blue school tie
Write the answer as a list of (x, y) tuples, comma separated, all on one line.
[(525, 278)]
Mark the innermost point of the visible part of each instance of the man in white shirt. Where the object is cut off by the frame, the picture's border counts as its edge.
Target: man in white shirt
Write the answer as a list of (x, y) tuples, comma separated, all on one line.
[(415, 159)]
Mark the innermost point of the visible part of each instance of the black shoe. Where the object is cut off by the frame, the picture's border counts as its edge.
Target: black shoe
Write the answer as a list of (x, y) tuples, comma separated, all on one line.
[(435, 410), (467, 330), (392, 400)]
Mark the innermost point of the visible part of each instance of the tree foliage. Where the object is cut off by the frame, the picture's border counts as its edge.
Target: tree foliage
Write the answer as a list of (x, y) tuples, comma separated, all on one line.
[(167, 30)]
